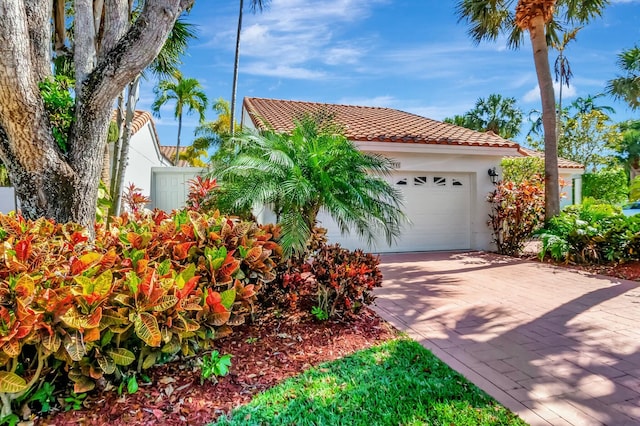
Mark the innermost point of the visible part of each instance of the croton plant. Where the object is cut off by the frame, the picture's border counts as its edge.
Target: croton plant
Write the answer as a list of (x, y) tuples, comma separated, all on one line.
[(150, 286)]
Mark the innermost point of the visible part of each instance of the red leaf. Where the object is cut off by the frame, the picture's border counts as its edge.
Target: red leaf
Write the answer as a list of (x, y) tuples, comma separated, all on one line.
[(213, 298), (23, 248), (188, 287), (78, 237)]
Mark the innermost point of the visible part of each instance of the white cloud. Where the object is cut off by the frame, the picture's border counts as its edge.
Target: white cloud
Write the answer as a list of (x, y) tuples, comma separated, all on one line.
[(284, 71), (533, 95), (291, 33)]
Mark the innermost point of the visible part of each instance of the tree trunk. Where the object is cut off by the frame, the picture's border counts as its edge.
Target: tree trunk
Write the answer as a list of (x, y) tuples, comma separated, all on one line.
[(545, 82), (124, 141), (175, 162), (235, 71), (50, 183)]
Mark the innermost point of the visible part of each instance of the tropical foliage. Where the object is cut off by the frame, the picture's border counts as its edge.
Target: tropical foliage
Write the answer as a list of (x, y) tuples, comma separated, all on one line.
[(302, 173), (520, 169), (151, 287), (587, 139), (592, 232), (188, 97), (627, 86), (210, 135), (628, 146), (487, 20), (608, 185), (517, 210), (588, 135), (495, 113)]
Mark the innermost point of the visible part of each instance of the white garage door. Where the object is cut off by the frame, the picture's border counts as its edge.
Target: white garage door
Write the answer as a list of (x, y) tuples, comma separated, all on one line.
[(438, 206)]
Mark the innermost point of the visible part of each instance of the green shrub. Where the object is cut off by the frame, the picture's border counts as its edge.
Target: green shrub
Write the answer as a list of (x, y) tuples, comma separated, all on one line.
[(150, 287), (517, 210), (607, 185), (522, 169), (593, 232)]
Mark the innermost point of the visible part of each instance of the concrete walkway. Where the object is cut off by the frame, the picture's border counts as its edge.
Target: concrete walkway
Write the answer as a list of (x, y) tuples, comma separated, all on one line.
[(554, 346)]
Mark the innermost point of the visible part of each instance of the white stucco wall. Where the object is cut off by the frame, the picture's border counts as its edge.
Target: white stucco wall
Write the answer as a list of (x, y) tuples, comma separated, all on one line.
[(7, 199), (144, 153)]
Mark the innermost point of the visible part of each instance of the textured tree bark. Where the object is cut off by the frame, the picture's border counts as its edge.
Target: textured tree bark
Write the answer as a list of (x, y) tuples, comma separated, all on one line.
[(48, 182), (545, 82)]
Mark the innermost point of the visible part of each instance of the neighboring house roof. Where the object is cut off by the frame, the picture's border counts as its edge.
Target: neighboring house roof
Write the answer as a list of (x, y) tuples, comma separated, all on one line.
[(562, 163), (364, 124), (140, 118), (170, 153)]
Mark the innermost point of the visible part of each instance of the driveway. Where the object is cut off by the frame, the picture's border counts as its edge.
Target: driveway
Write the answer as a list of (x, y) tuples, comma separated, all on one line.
[(556, 347)]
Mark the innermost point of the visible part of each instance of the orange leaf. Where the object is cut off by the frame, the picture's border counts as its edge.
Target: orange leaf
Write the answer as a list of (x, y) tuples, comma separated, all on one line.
[(91, 335), (109, 259), (181, 251)]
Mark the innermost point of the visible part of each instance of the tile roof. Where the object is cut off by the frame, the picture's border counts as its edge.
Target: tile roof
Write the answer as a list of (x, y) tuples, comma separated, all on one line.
[(562, 163), (370, 123), (170, 153), (140, 118)]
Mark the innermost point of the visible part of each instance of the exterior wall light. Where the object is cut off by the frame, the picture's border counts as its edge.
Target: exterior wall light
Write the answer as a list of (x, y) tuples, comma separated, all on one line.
[(493, 175)]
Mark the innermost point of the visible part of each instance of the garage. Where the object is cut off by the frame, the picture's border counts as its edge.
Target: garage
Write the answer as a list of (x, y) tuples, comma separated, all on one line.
[(440, 168), (438, 207)]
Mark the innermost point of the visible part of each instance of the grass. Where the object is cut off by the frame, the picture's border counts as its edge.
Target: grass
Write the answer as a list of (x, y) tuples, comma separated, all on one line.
[(396, 383)]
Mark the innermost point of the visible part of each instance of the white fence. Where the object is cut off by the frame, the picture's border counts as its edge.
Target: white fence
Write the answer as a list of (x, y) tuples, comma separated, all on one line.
[(7, 199)]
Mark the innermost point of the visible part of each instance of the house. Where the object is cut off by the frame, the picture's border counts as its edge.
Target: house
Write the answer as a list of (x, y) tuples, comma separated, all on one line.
[(145, 152), (442, 170), (570, 174), (151, 166)]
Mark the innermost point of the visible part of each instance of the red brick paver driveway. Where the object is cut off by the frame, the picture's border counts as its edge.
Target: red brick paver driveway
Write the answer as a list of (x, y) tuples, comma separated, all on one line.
[(556, 347)]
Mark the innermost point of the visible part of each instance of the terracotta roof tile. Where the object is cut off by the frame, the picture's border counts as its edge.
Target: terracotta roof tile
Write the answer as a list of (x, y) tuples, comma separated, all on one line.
[(170, 153), (370, 123), (562, 163)]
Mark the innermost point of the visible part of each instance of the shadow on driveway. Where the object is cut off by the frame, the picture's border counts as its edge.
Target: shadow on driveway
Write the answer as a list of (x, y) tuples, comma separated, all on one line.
[(555, 346)]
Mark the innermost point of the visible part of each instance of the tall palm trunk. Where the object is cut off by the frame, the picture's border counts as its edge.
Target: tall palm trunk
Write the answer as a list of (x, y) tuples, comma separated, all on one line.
[(235, 71), (545, 82), (175, 162)]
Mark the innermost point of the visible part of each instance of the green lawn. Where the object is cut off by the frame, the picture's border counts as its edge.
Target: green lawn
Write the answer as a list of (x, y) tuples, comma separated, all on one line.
[(396, 383)]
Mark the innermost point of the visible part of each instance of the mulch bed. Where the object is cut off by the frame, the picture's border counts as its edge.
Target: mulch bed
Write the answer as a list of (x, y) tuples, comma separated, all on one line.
[(264, 354), (625, 271)]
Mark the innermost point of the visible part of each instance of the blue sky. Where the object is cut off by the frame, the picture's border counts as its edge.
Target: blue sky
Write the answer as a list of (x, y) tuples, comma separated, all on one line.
[(411, 55)]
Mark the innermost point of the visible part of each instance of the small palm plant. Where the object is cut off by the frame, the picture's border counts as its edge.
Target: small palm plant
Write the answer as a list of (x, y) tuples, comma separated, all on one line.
[(312, 169)]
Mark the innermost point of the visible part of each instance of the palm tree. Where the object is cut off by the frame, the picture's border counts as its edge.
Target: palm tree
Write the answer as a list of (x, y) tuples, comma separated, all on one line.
[(587, 104), (299, 174), (211, 133), (496, 114), (256, 5), (628, 147), (490, 18), (185, 92), (627, 87), (562, 71)]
